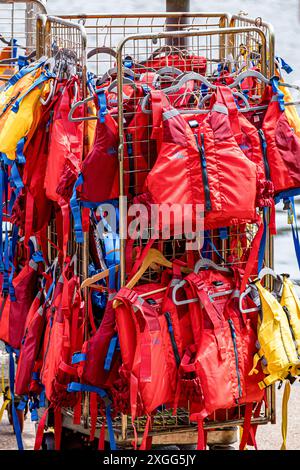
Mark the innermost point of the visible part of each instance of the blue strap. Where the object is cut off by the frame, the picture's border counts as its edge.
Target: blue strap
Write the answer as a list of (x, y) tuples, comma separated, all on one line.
[(22, 404), (1, 217), (25, 70), (43, 78), (42, 401), (11, 288), (15, 178), (14, 48), (38, 257), (22, 62), (283, 65), (275, 87), (77, 387), (5, 284), (209, 243), (112, 278), (16, 422), (20, 151), (78, 357), (102, 105), (223, 232), (110, 352), (75, 208), (262, 248), (295, 233)]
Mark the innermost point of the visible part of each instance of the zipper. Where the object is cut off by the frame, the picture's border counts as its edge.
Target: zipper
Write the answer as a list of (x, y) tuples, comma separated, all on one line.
[(236, 355), (172, 337), (201, 150), (263, 143), (286, 310), (131, 160)]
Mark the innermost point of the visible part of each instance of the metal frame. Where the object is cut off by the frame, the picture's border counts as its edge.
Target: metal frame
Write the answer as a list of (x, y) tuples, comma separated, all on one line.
[(22, 22), (267, 28), (184, 433)]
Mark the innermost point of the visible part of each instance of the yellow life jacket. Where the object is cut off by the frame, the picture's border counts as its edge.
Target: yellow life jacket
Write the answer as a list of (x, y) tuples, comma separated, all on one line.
[(21, 118), (277, 347), (91, 125), (16, 87), (291, 304), (291, 111)]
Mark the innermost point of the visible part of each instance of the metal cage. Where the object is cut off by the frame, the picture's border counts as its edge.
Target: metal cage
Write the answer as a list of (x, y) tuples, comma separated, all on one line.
[(138, 36), (18, 22)]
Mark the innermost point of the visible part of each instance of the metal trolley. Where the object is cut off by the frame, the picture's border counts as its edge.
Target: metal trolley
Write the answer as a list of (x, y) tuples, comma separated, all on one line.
[(18, 24), (118, 36)]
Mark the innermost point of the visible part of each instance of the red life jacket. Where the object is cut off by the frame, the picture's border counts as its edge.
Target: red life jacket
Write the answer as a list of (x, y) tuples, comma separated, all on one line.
[(282, 146), (202, 165), (17, 307), (184, 62), (99, 360), (65, 338), (66, 144), (31, 345), (218, 363), (149, 360)]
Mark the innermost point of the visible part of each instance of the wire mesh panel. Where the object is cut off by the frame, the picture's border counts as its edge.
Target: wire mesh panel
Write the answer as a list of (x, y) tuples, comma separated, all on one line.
[(105, 31), (17, 31), (250, 45)]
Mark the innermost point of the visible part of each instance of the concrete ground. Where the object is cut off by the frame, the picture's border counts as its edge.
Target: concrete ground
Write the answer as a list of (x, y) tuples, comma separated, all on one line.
[(268, 437)]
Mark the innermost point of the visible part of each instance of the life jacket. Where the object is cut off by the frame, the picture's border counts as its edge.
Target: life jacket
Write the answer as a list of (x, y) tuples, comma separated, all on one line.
[(147, 348), (16, 307), (282, 146), (66, 144), (99, 360), (20, 119), (202, 164), (291, 304), (17, 85), (65, 339), (184, 62), (30, 345), (277, 333), (215, 369)]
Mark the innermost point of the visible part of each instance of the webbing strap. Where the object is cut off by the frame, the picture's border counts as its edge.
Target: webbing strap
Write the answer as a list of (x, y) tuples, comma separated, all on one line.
[(15, 417), (77, 387), (110, 352), (280, 95), (284, 422), (24, 71), (295, 232), (102, 104), (1, 216), (262, 247), (75, 208)]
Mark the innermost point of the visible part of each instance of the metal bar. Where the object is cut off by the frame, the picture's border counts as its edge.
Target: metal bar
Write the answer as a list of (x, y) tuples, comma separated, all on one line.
[(178, 6)]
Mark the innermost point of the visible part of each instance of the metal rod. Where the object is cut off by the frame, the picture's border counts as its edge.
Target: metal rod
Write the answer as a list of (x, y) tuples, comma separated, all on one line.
[(182, 21)]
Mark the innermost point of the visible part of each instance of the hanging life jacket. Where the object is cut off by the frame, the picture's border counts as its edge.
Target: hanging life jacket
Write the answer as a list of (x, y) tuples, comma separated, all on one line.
[(201, 164), (20, 119), (30, 345), (214, 370), (99, 360), (150, 355), (66, 143), (282, 146), (16, 307), (278, 334)]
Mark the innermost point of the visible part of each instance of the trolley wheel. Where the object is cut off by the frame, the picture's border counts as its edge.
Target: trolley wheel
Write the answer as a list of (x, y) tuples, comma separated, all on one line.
[(48, 441)]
